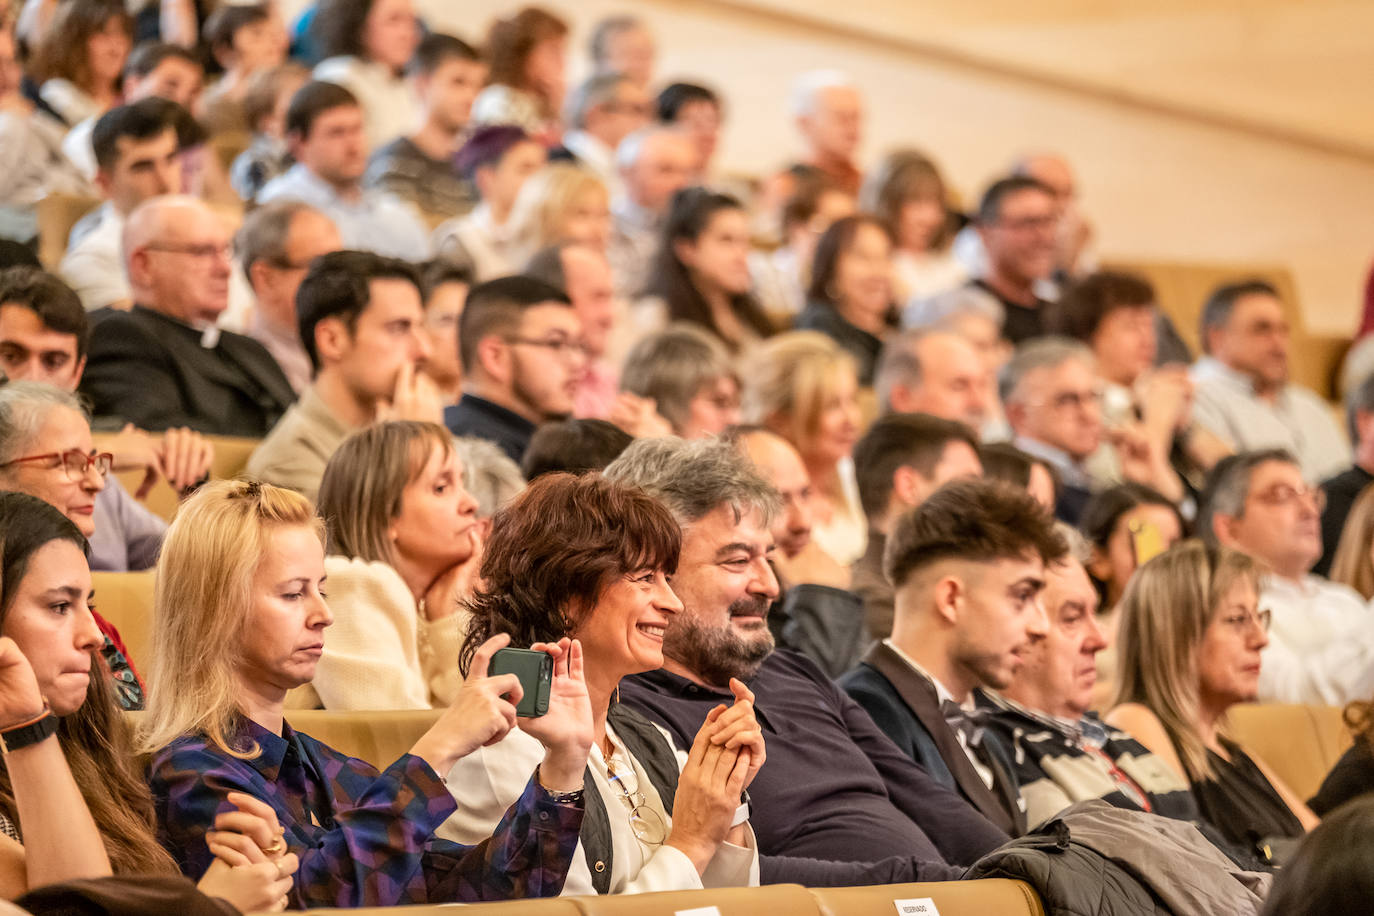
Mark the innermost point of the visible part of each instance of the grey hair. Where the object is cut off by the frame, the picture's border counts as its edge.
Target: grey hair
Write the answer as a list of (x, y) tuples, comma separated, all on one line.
[(489, 474), (900, 363), (598, 89), (672, 367), (1079, 550), (607, 29), (1228, 487), (1039, 353), (1361, 397), (23, 408), (695, 477), (808, 87), (262, 237), (943, 311)]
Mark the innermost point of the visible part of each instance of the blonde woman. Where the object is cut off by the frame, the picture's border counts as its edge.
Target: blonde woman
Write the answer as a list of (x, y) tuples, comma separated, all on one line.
[(405, 545), (804, 387), (1189, 635), (240, 619), (560, 203), (1353, 564), (907, 193)]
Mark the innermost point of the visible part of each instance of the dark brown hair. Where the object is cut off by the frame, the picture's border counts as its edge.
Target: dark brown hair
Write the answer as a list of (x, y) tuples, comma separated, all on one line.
[(511, 40), (900, 440), (1084, 304), (554, 550), (62, 50), (981, 521), (833, 243)]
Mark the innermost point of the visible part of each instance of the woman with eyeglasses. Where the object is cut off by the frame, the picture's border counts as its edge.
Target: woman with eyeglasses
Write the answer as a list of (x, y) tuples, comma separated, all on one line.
[(1189, 637), (46, 451), (586, 558)]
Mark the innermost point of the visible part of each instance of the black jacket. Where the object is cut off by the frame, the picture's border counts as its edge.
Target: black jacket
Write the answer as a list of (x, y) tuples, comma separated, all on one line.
[(152, 371)]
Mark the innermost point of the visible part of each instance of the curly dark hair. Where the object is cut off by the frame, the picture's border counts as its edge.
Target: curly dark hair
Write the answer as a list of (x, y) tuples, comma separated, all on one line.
[(556, 548)]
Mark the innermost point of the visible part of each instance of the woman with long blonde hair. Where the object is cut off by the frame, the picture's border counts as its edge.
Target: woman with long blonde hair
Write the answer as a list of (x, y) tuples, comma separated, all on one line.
[(239, 620), (1189, 636), (1353, 563), (804, 387), (560, 203)]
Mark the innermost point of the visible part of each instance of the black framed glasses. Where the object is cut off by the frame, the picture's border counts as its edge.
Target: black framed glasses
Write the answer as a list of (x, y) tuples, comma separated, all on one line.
[(73, 461)]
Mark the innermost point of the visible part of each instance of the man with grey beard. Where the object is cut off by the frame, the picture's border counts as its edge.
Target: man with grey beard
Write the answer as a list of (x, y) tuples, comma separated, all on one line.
[(837, 799)]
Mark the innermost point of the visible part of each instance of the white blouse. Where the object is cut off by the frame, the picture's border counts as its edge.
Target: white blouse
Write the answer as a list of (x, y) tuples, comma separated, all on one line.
[(488, 781)]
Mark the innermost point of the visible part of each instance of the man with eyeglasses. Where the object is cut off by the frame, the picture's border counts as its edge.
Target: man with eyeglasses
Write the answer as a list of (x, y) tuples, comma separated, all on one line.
[(1321, 639), (363, 326), (522, 353), (275, 246), (1241, 388), (604, 110), (1017, 222), (165, 363), (1053, 400)]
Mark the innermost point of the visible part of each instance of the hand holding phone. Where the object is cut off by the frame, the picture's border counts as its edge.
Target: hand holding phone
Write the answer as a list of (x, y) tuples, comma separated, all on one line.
[(535, 672)]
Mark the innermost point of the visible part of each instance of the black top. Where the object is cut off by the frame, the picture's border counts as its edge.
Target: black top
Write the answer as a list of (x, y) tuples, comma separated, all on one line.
[(481, 419), (1240, 802), (1341, 493), (1023, 322), (835, 787), (865, 348), (1351, 777)]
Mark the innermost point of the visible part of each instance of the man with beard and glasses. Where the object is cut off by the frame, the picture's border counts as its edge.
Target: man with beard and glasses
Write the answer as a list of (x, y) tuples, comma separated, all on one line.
[(838, 803), (968, 566)]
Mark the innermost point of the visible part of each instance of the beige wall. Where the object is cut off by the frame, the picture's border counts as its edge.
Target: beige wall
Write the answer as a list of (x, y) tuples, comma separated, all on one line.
[(1160, 186)]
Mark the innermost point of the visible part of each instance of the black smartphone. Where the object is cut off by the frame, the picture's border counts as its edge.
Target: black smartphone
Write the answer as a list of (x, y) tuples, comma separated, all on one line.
[(535, 671)]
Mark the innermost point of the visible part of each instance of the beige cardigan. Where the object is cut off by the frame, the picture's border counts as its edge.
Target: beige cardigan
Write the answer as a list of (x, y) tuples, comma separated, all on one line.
[(380, 653)]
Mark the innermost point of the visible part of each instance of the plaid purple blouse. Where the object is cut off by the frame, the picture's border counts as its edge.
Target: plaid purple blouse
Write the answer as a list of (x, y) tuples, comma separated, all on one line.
[(364, 838)]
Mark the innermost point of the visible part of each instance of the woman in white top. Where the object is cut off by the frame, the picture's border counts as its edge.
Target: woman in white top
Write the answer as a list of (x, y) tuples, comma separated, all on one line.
[(907, 192), (404, 545), (80, 58), (526, 52), (804, 387), (589, 558), (366, 45)]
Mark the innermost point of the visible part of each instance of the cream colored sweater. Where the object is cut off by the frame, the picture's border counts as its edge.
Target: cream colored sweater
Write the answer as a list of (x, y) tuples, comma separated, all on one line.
[(380, 653)]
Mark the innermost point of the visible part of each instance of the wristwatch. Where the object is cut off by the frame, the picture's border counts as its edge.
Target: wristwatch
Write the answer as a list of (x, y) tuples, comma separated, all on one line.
[(39, 728)]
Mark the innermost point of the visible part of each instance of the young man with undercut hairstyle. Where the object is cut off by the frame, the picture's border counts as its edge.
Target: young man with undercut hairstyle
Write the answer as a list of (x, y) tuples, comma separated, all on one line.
[(901, 460), (522, 353), (968, 566)]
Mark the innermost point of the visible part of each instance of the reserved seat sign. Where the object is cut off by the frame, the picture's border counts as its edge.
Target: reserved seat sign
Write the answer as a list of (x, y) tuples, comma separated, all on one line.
[(916, 906)]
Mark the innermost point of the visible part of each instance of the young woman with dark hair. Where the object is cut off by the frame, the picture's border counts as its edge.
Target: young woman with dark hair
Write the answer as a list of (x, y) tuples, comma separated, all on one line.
[(700, 273), (79, 61), (366, 45)]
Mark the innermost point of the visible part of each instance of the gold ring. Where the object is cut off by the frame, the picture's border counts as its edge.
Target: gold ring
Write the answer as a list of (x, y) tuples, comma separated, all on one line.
[(276, 848)]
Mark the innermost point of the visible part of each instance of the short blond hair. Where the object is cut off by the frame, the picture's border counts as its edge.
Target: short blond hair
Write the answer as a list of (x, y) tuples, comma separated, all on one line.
[(546, 199), (202, 602), (1352, 564), (788, 381)]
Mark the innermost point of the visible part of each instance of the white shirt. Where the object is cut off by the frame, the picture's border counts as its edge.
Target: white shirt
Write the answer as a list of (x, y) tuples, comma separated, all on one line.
[(375, 221), (595, 156), (390, 107), (778, 280), (1224, 402), (1321, 643), (491, 249), (845, 536), (489, 780), (76, 145), (921, 277), (94, 265), (941, 695)]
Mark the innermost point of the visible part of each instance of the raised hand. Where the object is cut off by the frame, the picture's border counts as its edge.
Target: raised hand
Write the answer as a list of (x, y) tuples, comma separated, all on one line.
[(185, 456), (639, 417), (415, 397), (458, 582), (482, 714), (708, 792), (737, 728), (567, 731), (20, 699)]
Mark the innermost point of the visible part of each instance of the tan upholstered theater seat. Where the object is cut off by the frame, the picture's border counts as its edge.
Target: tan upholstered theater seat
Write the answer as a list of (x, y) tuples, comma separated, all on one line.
[(951, 898), (376, 736), (126, 600), (1299, 743), (231, 457), (772, 900), (557, 906)]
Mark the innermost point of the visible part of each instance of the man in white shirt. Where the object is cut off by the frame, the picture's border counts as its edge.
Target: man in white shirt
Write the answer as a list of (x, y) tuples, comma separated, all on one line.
[(1321, 639), (602, 111), (137, 159), (654, 164), (324, 126), (1242, 392)]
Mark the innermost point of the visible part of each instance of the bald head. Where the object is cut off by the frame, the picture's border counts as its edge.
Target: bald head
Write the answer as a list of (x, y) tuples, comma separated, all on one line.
[(938, 373), (1051, 170), (176, 250), (656, 164)]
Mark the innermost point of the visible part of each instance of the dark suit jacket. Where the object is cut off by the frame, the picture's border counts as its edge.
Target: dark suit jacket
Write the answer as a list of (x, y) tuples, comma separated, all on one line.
[(152, 371), (905, 706)]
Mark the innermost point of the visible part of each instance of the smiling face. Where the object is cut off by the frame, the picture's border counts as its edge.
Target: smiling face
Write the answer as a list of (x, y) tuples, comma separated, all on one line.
[(1060, 669), (726, 585), (624, 632), (1228, 658), (50, 620), (863, 277), (284, 635), (62, 430)]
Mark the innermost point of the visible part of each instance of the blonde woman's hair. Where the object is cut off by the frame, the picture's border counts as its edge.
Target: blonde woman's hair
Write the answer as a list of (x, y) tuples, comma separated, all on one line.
[(360, 493), (788, 380), (1352, 564), (544, 202), (202, 602), (1165, 610)]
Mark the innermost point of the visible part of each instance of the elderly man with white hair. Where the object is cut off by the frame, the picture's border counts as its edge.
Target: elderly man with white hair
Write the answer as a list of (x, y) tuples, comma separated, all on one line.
[(164, 363), (829, 113), (601, 112), (654, 164)]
